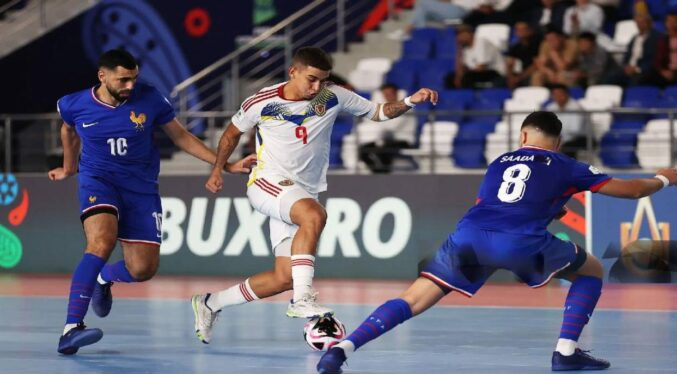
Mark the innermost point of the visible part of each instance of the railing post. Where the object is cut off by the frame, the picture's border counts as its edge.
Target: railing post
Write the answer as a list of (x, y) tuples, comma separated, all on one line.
[(510, 132), (357, 144), (671, 116), (8, 145), (589, 136), (431, 120), (235, 84), (341, 25), (288, 45)]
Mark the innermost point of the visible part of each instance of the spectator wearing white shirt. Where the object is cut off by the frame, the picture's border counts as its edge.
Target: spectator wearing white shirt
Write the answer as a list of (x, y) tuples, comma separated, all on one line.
[(573, 124), (583, 17), (640, 53), (426, 11), (479, 63)]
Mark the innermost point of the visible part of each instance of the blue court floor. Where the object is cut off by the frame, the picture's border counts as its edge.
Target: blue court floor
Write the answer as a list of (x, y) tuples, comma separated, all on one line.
[(156, 336)]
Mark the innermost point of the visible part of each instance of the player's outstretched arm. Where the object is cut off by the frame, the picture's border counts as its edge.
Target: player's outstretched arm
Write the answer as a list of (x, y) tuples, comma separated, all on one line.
[(388, 111), (194, 146), (227, 144), (71, 150), (641, 187)]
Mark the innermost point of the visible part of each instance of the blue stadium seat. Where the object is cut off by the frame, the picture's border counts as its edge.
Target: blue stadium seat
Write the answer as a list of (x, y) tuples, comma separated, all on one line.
[(639, 97), (576, 92), (617, 149), (670, 92), (657, 8), (342, 127), (445, 48), (454, 100), (490, 99), (417, 49), (469, 156), (403, 73), (628, 127), (433, 73), (426, 34)]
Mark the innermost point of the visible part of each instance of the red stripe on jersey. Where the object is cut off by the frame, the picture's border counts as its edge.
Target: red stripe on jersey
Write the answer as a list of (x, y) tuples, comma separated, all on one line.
[(258, 99), (266, 189), (599, 185), (274, 187), (258, 94)]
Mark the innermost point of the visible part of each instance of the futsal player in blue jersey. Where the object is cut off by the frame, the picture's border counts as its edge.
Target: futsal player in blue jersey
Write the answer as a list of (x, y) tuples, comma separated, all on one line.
[(118, 184), (522, 192)]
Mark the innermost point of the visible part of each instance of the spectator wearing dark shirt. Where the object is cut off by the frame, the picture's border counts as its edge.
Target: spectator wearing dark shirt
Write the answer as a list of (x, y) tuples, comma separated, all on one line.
[(520, 57), (595, 65), (551, 14), (640, 54), (665, 63)]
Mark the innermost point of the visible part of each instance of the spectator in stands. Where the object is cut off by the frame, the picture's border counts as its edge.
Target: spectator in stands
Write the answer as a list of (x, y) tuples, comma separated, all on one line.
[(520, 57), (556, 60), (479, 63), (573, 130), (434, 10), (550, 14), (489, 11), (382, 141), (665, 72), (640, 54), (595, 65), (583, 17)]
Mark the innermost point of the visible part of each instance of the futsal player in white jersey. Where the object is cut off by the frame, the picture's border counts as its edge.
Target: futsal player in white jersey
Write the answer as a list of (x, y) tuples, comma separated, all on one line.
[(293, 122)]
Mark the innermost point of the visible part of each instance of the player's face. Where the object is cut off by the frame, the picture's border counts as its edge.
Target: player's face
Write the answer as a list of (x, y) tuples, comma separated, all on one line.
[(119, 81), (308, 80)]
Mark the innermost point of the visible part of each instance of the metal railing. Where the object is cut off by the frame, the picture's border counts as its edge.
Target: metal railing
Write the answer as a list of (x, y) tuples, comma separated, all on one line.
[(261, 61), (26, 138)]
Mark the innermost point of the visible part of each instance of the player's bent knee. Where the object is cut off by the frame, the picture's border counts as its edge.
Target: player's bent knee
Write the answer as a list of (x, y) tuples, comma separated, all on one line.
[(144, 272), (101, 246), (315, 219)]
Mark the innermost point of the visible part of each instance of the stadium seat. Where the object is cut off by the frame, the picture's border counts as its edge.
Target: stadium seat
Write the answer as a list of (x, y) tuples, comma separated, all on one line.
[(576, 92), (600, 120), (490, 99), (639, 97), (496, 33), (617, 150), (417, 49), (445, 48), (369, 73), (454, 100), (534, 95), (609, 93), (434, 73), (425, 34), (437, 137), (516, 111), (657, 8), (653, 144)]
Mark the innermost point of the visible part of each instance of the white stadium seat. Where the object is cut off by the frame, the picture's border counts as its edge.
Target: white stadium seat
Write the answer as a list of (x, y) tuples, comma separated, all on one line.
[(496, 33)]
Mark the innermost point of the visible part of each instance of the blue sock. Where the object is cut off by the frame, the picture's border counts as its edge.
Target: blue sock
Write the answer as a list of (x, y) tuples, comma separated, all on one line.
[(82, 284), (382, 320), (117, 272), (581, 301)]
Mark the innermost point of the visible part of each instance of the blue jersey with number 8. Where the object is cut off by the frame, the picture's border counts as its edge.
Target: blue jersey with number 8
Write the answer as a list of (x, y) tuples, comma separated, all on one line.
[(524, 190), (117, 142)]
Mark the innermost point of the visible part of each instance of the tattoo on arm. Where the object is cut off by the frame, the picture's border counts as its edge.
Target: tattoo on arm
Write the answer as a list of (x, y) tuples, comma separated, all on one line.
[(396, 109), (226, 146)]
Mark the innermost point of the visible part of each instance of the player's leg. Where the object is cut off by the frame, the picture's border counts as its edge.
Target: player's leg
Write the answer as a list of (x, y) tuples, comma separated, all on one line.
[(566, 260), (100, 226), (207, 307), (444, 273), (140, 233), (585, 291)]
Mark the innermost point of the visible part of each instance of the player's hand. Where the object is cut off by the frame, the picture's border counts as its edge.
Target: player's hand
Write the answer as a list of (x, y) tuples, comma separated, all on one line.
[(243, 166), (58, 174), (671, 174), (423, 95), (215, 182)]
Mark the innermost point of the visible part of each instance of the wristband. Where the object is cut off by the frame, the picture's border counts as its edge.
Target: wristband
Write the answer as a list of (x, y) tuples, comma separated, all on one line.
[(664, 179), (407, 102)]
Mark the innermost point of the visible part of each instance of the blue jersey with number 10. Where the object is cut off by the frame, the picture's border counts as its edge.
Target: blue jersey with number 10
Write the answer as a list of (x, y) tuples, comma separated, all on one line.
[(117, 142), (524, 190)]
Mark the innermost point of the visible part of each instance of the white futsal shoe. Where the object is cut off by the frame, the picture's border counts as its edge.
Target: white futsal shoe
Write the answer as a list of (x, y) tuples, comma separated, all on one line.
[(307, 307), (204, 317)]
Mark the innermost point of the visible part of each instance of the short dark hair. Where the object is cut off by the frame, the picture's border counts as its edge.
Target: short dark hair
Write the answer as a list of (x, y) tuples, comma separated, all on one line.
[(545, 121), (552, 28), (588, 36), (313, 56), (113, 58), (389, 85), (558, 86)]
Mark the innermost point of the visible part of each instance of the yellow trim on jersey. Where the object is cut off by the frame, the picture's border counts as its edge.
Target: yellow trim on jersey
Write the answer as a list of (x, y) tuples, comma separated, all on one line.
[(259, 162)]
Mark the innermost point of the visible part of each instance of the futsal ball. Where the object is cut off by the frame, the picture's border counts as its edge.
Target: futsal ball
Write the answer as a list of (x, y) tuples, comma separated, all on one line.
[(323, 333), (9, 189)]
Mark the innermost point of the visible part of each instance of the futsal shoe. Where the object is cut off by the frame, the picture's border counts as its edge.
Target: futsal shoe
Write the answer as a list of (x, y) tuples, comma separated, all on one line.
[(580, 360), (78, 337), (331, 362), (204, 317), (102, 299), (307, 307)]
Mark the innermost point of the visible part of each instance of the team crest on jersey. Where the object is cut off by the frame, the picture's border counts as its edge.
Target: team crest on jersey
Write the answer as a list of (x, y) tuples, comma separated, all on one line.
[(320, 109), (92, 199), (137, 120), (285, 183)]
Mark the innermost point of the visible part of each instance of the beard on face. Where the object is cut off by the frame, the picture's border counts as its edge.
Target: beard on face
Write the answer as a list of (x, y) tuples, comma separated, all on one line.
[(121, 95)]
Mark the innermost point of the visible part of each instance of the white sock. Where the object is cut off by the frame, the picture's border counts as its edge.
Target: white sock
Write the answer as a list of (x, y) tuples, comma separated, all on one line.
[(68, 327), (100, 279), (347, 346), (235, 295), (302, 273), (566, 347)]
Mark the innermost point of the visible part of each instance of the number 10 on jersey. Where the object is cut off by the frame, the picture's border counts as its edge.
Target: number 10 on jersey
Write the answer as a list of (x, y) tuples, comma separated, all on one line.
[(302, 133)]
